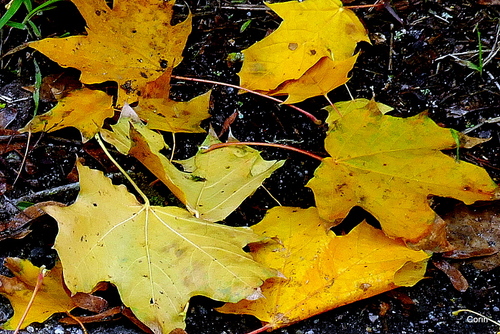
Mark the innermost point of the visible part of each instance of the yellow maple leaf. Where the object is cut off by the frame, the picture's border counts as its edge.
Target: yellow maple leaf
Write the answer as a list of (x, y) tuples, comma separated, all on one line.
[(157, 257), (323, 271), (310, 31), (84, 109), (390, 166), (212, 184), (51, 297), (320, 79), (132, 44)]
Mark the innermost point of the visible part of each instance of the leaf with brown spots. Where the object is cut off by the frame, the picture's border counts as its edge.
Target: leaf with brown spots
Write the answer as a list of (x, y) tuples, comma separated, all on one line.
[(314, 33), (390, 166), (157, 257)]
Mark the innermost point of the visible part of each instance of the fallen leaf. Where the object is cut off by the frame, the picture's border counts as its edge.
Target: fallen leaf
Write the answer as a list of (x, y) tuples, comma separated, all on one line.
[(84, 109), (390, 166), (173, 116), (322, 271), (310, 31), (90, 302), (474, 233), (157, 257), (213, 184), (132, 44), (489, 2), (220, 180), (458, 280), (51, 297), (320, 79)]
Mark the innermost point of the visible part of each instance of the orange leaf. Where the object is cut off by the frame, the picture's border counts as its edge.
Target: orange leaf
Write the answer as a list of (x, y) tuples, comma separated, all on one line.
[(51, 298), (321, 270)]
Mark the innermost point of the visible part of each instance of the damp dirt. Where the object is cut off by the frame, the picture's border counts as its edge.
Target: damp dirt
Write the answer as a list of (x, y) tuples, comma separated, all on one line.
[(419, 65)]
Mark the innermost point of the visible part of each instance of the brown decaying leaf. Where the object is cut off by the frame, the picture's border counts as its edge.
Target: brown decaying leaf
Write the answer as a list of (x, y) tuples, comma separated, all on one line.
[(17, 226), (489, 2), (474, 233), (90, 302), (457, 279)]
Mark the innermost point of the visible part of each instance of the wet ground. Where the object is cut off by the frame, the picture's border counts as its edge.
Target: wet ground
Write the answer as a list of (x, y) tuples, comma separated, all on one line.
[(417, 65)]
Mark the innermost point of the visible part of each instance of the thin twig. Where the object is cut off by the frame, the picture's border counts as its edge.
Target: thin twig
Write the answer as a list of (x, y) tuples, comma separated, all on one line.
[(286, 147), (308, 114), (24, 158)]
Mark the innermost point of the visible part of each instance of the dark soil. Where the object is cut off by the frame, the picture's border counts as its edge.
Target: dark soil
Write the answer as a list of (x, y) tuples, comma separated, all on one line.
[(415, 67)]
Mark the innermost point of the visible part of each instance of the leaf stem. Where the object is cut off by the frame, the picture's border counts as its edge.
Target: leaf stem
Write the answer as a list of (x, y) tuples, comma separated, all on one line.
[(136, 187), (38, 285), (306, 113), (262, 329), (286, 147)]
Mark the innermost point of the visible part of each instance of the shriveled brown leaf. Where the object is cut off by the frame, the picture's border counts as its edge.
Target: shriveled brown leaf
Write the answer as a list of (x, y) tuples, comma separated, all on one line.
[(474, 233), (17, 227), (458, 280)]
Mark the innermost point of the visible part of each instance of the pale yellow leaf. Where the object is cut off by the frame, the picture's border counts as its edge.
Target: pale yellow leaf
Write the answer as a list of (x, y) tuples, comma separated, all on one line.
[(157, 257)]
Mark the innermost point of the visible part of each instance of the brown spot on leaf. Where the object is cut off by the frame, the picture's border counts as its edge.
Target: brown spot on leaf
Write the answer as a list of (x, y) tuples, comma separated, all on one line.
[(293, 46)]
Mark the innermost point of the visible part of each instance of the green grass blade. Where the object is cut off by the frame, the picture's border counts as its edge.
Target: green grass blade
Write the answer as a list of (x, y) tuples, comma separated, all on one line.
[(14, 7), (38, 84), (43, 7)]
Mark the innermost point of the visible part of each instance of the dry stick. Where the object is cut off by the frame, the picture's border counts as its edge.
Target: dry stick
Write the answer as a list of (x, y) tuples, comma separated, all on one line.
[(286, 147), (308, 114), (365, 6), (24, 158), (38, 285)]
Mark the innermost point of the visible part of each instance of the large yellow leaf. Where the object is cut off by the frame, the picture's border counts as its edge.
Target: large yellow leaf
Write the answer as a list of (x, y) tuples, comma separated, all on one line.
[(158, 257), (390, 166), (323, 271), (51, 297), (132, 44), (84, 109), (311, 30), (213, 184)]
